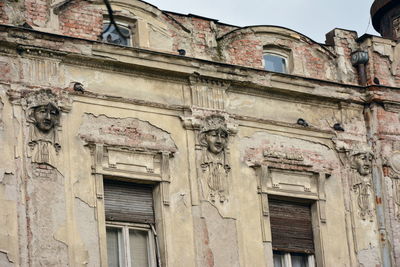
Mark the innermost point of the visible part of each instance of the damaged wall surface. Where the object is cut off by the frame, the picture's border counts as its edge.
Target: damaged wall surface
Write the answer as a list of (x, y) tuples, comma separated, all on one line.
[(187, 112)]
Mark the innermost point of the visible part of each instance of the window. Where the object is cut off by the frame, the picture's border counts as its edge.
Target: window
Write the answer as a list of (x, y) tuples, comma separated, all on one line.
[(130, 232), (286, 259), (275, 62), (292, 234), (112, 36)]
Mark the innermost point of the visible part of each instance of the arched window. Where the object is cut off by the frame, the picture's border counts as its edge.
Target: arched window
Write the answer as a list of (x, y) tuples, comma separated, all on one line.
[(112, 36), (275, 62)]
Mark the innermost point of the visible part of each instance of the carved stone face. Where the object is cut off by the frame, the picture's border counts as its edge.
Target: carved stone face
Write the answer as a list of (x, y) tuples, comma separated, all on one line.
[(46, 117), (362, 163), (216, 140)]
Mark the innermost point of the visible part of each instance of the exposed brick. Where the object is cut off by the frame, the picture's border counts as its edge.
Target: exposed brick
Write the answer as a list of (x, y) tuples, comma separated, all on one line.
[(3, 13), (82, 19)]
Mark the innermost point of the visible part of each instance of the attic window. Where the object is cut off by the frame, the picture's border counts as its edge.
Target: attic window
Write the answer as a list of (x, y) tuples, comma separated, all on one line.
[(275, 62), (112, 36)]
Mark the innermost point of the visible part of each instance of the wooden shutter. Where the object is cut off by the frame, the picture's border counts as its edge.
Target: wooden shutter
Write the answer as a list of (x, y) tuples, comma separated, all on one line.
[(128, 202), (291, 226)]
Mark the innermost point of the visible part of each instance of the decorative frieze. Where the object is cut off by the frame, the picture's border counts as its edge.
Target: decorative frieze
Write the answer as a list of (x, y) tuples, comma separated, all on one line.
[(41, 71), (283, 155)]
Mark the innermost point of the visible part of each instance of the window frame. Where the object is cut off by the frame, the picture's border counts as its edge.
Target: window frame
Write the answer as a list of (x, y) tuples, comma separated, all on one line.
[(128, 26), (315, 196), (275, 54), (102, 169), (159, 236), (286, 258), (151, 241), (280, 51)]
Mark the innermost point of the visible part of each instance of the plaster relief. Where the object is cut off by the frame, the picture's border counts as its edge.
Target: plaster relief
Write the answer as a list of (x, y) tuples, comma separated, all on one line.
[(212, 132), (207, 93), (290, 168), (43, 118), (40, 113), (393, 163), (36, 70), (125, 132), (361, 163), (134, 162), (129, 147), (214, 165), (287, 153)]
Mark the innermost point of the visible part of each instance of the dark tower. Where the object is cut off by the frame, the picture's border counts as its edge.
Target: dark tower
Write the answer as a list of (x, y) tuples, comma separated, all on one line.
[(386, 18)]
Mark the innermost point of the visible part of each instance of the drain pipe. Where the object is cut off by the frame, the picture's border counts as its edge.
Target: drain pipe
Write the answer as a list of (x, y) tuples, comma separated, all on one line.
[(370, 112)]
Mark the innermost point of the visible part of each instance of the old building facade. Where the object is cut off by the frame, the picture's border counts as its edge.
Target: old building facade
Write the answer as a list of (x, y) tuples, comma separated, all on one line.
[(178, 141)]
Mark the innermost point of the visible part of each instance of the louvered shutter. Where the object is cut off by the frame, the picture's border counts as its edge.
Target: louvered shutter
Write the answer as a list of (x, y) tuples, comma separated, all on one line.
[(291, 226), (128, 202)]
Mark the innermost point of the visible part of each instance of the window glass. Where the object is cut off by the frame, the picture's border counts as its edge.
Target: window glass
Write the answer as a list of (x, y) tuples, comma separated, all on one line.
[(299, 260), (112, 36), (275, 63), (114, 247), (138, 242), (278, 259)]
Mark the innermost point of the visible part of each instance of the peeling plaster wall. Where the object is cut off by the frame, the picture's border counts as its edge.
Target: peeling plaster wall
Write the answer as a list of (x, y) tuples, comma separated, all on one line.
[(344, 43), (216, 237), (253, 144), (139, 116), (72, 229), (385, 62), (103, 82), (202, 32), (45, 222), (387, 132), (9, 187), (178, 215)]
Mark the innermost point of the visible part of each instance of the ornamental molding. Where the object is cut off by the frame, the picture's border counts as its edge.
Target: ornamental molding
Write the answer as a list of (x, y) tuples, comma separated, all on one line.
[(208, 93), (194, 120)]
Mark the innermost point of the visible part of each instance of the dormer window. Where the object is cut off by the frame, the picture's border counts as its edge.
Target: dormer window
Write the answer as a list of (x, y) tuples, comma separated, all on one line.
[(275, 62), (112, 36)]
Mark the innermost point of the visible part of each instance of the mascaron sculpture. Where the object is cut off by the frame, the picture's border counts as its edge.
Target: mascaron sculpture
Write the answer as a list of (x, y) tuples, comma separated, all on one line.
[(43, 116), (361, 162), (215, 168)]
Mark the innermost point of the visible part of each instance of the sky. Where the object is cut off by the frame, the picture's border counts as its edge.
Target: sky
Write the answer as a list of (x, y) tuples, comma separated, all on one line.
[(313, 18)]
